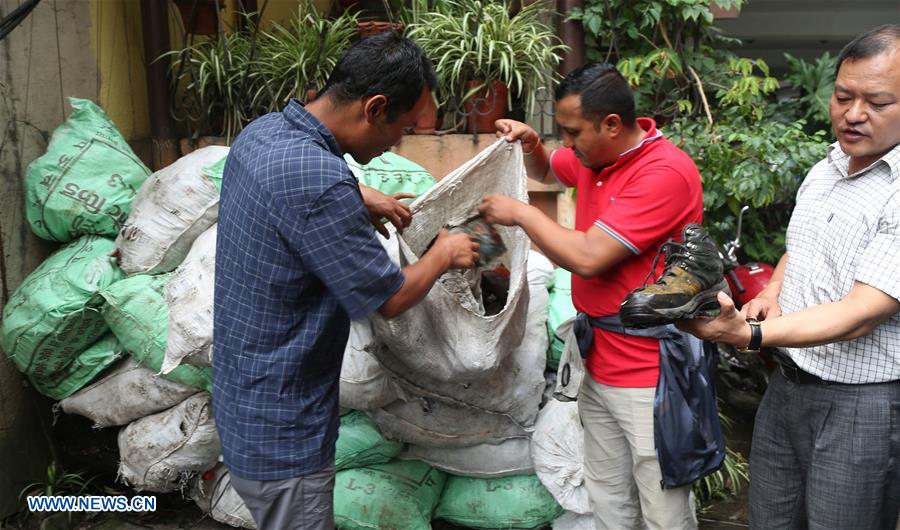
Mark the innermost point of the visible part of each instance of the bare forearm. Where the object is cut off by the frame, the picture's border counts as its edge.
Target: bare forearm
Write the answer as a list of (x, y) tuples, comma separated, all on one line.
[(567, 248), (822, 324), (419, 277), (537, 164)]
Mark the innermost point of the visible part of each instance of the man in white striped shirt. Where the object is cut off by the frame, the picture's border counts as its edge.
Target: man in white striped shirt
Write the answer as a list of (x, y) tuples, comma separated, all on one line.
[(826, 444)]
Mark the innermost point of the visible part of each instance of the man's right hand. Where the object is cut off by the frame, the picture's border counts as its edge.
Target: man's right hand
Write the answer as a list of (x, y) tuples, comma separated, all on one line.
[(459, 248), (449, 251), (761, 308), (512, 130)]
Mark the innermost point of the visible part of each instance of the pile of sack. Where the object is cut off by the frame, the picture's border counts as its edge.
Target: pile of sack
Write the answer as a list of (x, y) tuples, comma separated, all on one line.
[(447, 412)]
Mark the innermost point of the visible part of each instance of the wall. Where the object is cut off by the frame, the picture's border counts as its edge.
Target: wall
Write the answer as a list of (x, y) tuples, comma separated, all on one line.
[(804, 28), (42, 61), (442, 154)]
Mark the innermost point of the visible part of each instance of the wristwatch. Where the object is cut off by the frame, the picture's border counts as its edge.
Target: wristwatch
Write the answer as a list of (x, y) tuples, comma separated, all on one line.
[(755, 337)]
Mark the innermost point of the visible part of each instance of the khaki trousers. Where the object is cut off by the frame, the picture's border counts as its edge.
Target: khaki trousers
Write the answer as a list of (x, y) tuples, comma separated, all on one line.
[(621, 471)]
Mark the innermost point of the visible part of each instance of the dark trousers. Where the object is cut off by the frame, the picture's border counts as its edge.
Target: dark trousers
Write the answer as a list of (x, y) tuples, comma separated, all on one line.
[(826, 457)]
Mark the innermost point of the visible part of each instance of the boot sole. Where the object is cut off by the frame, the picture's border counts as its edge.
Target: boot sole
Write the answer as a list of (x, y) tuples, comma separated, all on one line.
[(703, 304)]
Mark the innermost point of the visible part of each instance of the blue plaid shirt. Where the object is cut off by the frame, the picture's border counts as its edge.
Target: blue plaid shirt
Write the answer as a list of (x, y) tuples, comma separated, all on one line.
[(296, 259)]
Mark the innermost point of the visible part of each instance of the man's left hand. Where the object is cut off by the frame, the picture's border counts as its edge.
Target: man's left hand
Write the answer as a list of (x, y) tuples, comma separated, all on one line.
[(381, 206), (729, 326), (501, 209)]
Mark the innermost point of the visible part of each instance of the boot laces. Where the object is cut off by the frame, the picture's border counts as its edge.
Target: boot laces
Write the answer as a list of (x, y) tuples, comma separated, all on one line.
[(675, 253)]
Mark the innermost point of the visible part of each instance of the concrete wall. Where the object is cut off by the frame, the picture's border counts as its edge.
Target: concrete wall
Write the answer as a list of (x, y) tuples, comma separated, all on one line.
[(442, 154), (42, 61), (804, 28)]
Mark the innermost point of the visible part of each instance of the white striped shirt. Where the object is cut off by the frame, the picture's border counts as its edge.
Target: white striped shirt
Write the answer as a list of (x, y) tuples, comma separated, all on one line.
[(846, 228)]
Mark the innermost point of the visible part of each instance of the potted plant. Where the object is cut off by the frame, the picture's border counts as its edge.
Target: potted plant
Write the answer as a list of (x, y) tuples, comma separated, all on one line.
[(224, 82), (212, 84), (295, 60), (484, 57), (367, 28)]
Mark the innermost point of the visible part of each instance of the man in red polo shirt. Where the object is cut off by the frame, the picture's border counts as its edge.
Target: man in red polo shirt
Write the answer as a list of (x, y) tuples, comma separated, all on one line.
[(635, 190)]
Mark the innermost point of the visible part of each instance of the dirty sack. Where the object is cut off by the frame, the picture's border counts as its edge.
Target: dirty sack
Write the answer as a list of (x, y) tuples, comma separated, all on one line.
[(172, 208), (126, 392), (557, 446), (448, 336), (189, 295), (53, 317), (86, 181), (160, 452)]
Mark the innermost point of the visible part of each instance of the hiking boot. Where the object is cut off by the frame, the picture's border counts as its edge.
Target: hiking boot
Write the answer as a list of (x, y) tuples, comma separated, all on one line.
[(693, 276)]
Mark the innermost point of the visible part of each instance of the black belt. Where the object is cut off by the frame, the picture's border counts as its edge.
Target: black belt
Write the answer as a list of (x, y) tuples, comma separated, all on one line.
[(792, 372), (797, 375)]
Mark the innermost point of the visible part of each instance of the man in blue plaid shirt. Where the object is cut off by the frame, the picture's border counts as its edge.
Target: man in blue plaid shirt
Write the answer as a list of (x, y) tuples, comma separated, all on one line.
[(296, 259)]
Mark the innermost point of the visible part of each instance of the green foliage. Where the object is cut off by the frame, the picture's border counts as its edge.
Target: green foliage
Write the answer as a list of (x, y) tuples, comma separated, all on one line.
[(720, 108), (301, 56), (724, 483), (57, 482), (212, 78), (479, 40), (228, 80), (815, 83), (728, 480), (745, 162)]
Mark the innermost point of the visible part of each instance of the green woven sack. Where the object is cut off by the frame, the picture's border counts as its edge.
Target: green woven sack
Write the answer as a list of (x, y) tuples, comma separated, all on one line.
[(215, 172), (52, 317), (83, 369), (561, 311), (519, 501), (360, 443), (85, 182), (400, 495), (391, 173), (137, 314)]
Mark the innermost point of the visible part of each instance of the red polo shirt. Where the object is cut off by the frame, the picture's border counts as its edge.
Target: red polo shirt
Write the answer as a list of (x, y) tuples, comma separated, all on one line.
[(642, 200)]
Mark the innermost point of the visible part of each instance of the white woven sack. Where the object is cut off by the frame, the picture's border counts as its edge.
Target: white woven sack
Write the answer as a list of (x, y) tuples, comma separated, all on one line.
[(174, 206), (574, 521), (213, 493), (364, 382), (127, 392), (189, 295), (557, 447), (571, 371), (430, 422), (516, 386), (509, 457), (161, 451), (447, 336)]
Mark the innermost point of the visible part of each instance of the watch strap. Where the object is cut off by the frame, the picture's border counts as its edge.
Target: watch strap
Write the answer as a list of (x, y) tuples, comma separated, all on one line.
[(755, 335)]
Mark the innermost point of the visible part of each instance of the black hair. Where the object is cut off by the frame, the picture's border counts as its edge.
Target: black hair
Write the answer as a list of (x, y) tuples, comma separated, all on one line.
[(603, 91), (385, 64), (871, 43)]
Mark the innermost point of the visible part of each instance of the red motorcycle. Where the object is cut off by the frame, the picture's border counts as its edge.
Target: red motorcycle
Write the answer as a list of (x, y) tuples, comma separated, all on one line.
[(746, 280), (743, 377)]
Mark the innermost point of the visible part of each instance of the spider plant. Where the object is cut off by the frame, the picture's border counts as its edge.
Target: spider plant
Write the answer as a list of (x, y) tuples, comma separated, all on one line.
[(479, 40), (212, 78), (243, 73), (299, 56), (727, 481)]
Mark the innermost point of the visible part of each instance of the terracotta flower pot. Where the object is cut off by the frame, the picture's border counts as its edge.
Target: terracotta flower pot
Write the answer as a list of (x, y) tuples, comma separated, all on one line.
[(204, 16), (428, 121), (485, 107), (367, 28)]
